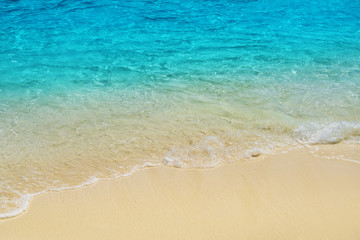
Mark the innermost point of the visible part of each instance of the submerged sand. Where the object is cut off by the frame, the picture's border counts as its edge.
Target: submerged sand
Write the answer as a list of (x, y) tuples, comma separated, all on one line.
[(292, 195)]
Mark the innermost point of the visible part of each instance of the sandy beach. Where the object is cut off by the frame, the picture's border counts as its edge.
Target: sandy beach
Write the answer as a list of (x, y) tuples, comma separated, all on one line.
[(283, 196), (189, 120)]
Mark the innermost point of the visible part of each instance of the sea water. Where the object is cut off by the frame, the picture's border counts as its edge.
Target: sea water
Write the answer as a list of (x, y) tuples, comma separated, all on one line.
[(96, 89)]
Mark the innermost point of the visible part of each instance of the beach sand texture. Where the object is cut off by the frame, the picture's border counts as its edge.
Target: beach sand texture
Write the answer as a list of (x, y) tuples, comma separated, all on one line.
[(292, 195), (179, 119)]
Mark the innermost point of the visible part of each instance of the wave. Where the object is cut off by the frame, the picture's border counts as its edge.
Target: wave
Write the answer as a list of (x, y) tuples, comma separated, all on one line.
[(316, 133), (213, 151)]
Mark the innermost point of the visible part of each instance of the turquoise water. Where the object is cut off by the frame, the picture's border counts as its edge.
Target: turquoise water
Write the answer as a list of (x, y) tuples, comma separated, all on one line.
[(95, 89)]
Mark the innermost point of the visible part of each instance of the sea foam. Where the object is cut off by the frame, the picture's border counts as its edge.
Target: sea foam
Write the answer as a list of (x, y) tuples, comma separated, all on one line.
[(328, 133)]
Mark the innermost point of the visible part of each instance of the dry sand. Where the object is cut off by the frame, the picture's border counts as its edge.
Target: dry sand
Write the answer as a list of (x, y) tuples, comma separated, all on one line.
[(284, 196)]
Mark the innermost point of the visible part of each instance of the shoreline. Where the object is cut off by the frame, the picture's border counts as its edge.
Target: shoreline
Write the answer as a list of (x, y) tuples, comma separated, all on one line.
[(278, 196)]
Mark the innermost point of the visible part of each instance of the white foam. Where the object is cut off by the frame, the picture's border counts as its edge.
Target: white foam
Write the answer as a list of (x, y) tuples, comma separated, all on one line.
[(315, 133), (25, 202), (254, 152), (205, 154)]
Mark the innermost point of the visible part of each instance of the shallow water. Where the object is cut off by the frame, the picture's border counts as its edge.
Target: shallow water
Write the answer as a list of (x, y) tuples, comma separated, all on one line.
[(95, 89)]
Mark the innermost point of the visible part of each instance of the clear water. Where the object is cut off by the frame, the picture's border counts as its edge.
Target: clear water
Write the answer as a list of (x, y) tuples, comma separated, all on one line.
[(96, 89)]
